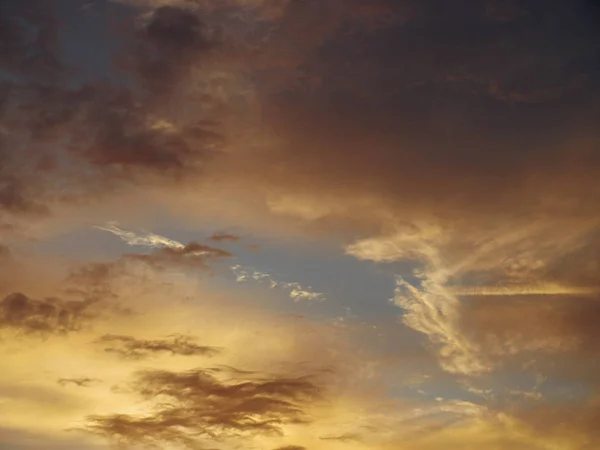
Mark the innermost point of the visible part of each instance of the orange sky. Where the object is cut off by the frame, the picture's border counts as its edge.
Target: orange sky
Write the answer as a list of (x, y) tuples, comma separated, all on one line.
[(299, 224)]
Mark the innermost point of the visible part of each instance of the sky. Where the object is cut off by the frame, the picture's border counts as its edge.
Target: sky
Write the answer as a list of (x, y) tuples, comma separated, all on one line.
[(299, 224)]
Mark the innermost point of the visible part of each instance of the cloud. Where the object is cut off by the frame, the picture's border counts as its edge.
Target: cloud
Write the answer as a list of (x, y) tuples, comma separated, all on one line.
[(200, 405), (536, 270), (132, 348), (368, 133), (142, 239), (96, 137), (168, 246), (296, 291), (44, 394), (163, 244), (167, 255), (191, 256), (563, 324), (220, 237), (435, 312), (341, 438), (171, 42), (26, 440), (49, 316), (90, 291), (144, 405), (291, 447), (80, 382), (469, 166), (504, 10), (126, 136), (512, 290)]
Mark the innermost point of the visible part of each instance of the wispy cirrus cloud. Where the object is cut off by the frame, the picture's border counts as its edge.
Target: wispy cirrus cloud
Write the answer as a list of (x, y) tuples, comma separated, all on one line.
[(243, 274), (295, 290), (144, 239)]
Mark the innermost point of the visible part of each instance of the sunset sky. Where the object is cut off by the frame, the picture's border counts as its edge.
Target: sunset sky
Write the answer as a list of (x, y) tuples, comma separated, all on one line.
[(300, 224)]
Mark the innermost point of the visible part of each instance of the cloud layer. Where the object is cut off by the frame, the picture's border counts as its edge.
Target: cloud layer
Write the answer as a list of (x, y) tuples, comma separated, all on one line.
[(452, 147)]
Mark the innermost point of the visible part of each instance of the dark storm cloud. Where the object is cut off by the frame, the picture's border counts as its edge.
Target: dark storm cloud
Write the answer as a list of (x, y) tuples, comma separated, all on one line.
[(466, 99), (129, 347), (169, 45), (63, 138), (196, 405), (448, 109), (121, 135), (49, 316), (29, 39)]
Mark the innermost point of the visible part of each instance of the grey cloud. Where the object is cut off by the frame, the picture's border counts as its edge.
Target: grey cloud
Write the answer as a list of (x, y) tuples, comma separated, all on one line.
[(170, 43), (72, 139), (410, 113)]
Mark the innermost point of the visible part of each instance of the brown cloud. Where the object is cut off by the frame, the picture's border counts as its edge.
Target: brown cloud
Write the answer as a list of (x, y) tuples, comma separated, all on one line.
[(348, 437), (91, 290), (80, 382), (29, 440), (291, 447), (131, 348), (221, 237), (5, 254), (544, 329), (8, 269), (196, 405), (169, 44), (410, 138), (467, 153), (52, 315), (94, 281), (192, 256), (374, 132), (572, 424), (115, 134), (15, 198)]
